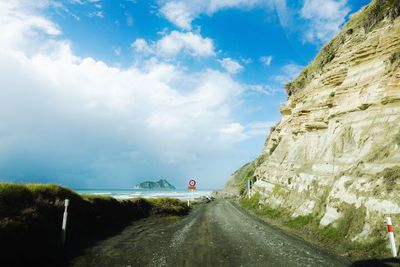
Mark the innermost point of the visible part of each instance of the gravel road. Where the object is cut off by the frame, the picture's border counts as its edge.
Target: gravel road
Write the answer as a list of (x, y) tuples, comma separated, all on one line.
[(218, 233)]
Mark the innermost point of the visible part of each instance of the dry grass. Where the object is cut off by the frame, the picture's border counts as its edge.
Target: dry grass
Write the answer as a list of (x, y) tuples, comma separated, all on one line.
[(33, 213)]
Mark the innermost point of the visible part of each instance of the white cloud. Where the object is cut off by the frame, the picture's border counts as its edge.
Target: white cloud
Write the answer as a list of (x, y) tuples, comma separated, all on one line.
[(236, 132), (117, 51), (187, 42), (178, 13), (141, 46), (129, 19), (182, 13), (80, 119), (283, 12), (99, 14), (325, 17), (288, 73), (231, 65), (266, 60), (262, 89), (258, 128), (82, 2), (175, 43), (14, 24)]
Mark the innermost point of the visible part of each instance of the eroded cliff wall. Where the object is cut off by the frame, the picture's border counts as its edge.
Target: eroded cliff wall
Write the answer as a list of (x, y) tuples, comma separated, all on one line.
[(336, 151)]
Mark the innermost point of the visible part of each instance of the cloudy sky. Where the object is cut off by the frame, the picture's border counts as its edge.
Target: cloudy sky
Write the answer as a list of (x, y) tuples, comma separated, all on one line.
[(101, 93)]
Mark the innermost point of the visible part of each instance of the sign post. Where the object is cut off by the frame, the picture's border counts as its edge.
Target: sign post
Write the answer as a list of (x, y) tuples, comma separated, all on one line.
[(249, 185), (64, 222), (191, 187), (391, 236)]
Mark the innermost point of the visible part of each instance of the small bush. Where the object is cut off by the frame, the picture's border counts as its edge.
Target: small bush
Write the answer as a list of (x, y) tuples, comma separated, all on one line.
[(390, 177), (300, 221), (331, 233), (274, 146), (168, 206), (378, 10), (251, 203), (13, 199), (270, 212), (376, 248), (395, 57)]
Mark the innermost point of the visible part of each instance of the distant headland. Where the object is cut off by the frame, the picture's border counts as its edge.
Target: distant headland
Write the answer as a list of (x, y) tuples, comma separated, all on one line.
[(161, 184)]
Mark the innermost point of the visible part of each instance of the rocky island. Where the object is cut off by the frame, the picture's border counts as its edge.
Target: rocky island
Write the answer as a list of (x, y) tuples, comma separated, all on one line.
[(161, 184)]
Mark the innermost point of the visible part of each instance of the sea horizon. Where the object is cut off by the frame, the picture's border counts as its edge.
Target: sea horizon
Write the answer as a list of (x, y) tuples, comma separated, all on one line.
[(126, 193)]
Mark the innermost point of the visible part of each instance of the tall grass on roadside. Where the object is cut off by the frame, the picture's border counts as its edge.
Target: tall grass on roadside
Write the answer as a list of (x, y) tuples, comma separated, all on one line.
[(31, 217)]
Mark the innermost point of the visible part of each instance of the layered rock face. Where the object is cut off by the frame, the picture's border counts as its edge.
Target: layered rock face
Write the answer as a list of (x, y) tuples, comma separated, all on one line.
[(336, 150)]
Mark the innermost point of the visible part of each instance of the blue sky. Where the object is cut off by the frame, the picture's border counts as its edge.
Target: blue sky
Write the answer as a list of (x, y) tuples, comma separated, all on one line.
[(100, 93)]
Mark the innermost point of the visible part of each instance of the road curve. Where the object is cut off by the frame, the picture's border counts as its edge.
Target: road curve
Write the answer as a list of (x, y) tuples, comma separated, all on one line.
[(218, 233)]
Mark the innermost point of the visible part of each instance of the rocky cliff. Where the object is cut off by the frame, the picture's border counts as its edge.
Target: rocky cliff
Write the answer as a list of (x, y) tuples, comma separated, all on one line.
[(335, 154)]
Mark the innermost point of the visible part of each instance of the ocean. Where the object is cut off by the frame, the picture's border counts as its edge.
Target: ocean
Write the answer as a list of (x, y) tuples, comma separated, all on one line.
[(132, 193)]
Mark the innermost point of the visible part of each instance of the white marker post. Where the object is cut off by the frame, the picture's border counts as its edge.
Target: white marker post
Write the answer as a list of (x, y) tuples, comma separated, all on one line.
[(391, 236), (64, 222), (191, 187), (249, 188)]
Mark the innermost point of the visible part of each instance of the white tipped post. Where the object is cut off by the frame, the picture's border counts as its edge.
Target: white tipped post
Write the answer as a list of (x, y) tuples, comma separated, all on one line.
[(391, 236), (251, 187), (64, 222), (248, 188)]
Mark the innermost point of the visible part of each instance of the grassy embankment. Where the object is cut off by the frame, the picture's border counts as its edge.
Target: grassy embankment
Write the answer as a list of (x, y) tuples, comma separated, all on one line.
[(333, 238), (31, 217)]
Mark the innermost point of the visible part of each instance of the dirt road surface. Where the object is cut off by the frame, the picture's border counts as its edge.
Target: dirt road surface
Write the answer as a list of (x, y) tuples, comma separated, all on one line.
[(218, 233)]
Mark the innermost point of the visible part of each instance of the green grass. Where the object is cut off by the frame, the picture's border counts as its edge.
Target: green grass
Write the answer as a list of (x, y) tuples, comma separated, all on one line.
[(331, 233), (272, 149), (32, 213), (375, 248), (390, 177), (251, 203), (169, 206), (269, 212), (378, 10), (172, 218), (336, 237), (300, 221), (243, 175)]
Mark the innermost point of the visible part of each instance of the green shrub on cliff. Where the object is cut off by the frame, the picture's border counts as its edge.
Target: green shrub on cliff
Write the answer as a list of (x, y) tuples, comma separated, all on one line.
[(391, 176), (395, 57), (251, 203)]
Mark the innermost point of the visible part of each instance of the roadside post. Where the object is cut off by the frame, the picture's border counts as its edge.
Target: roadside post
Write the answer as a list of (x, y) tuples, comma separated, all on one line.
[(191, 187), (391, 236), (64, 222), (249, 188)]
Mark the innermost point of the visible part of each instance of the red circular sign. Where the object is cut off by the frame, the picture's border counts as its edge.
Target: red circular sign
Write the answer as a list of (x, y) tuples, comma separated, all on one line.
[(192, 182)]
